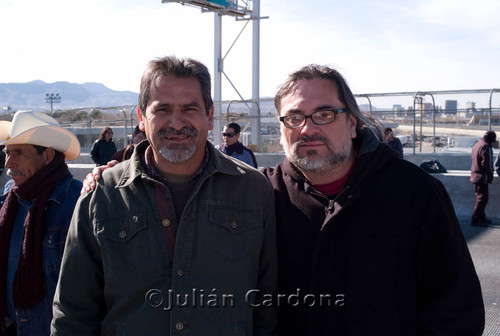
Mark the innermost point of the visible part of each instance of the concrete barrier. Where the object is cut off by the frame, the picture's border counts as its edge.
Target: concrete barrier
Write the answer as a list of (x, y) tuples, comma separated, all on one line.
[(456, 181)]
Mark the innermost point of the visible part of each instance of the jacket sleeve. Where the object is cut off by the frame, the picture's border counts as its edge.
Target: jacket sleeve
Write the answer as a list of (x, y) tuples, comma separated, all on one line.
[(399, 148), (79, 304), (487, 156), (94, 152), (264, 319), (449, 294)]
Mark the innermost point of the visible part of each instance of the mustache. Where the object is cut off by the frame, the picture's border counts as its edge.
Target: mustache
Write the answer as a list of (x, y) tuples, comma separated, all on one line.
[(12, 173), (186, 130), (315, 137)]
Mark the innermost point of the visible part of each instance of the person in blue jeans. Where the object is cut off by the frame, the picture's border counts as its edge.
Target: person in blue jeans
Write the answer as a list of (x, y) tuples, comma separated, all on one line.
[(34, 219), (234, 148)]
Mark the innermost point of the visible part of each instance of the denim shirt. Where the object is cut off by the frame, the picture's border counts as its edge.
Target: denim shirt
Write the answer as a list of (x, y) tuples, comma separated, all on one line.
[(244, 156), (59, 209), (117, 256)]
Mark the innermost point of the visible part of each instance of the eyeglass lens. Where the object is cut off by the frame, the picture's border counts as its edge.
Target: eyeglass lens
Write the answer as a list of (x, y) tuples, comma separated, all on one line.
[(319, 118)]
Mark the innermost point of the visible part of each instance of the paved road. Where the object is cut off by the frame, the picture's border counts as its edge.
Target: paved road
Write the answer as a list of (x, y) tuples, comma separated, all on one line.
[(484, 245)]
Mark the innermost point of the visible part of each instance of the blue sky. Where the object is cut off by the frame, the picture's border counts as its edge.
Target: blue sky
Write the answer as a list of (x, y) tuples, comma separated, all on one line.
[(382, 46)]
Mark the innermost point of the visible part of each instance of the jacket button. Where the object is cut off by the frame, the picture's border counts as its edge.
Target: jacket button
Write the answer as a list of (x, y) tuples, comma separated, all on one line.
[(234, 224), (165, 222), (122, 234), (180, 272), (179, 326), (135, 219)]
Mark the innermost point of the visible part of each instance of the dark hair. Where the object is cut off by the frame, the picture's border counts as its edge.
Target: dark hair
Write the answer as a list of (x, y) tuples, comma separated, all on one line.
[(175, 67), (387, 130), (103, 131), (41, 149), (490, 136), (136, 131), (235, 126), (313, 71)]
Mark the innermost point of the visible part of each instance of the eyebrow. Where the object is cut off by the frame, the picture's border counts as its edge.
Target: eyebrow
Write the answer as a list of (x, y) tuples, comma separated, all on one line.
[(317, 109), (158, 106), (9, 151)]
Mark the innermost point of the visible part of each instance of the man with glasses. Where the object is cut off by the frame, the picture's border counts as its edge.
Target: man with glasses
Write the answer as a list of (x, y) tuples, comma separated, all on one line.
[(234, 148), (368, 243)]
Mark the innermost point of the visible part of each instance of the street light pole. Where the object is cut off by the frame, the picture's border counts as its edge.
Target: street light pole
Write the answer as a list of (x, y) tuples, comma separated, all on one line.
[(52, 98)]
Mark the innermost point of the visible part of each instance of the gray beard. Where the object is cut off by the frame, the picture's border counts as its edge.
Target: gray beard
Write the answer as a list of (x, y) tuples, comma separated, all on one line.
[(313, 163), (179, 154)]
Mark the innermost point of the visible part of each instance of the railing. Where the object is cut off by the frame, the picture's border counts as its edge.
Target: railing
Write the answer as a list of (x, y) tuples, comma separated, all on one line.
[(425, 126)]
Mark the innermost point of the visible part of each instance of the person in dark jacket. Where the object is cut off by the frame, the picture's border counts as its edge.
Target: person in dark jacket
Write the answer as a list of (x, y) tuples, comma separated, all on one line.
[(126, 153), (482, 175), (34, 219), (103, 148), (179, 239), (367, 244), (393, 142), (234, 148)]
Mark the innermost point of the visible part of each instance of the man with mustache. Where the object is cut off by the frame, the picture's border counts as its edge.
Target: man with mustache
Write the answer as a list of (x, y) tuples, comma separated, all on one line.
[(173, 239), (367, 244), (34, 219), (377, 235)]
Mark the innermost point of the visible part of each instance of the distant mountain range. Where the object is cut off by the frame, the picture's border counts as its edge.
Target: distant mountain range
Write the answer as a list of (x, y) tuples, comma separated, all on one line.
[(31, 96)]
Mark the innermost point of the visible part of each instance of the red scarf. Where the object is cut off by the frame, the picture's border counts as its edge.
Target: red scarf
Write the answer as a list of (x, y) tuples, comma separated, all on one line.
[(28, 289)]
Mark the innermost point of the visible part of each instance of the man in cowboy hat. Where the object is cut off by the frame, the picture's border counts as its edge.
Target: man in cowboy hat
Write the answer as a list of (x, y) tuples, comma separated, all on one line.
[(34, 219)]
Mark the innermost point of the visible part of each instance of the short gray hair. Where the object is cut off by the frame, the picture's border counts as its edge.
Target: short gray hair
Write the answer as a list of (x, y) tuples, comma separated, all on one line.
[(174, 67)]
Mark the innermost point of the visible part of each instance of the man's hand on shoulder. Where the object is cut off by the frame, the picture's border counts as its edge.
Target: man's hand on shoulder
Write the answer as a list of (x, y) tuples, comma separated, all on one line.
[(89, 183)]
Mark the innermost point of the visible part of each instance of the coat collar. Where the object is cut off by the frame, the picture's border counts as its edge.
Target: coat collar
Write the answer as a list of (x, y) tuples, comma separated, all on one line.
[(217, 163)]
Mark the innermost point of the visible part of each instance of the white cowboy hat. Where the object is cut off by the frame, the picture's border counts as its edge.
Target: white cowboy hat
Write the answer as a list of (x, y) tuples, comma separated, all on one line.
[(37, 128)]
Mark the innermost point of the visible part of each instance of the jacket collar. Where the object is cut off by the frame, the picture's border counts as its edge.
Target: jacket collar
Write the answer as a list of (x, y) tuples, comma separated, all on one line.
[(61, 189), (58, 194), (217, 163)]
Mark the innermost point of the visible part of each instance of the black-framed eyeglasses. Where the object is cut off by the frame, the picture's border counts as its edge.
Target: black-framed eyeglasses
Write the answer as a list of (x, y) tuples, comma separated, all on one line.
[(229, 135), (322, 117)]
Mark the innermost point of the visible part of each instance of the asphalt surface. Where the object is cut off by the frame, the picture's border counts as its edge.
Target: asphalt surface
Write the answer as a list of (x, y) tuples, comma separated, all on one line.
[(484, 246), (483, 243)]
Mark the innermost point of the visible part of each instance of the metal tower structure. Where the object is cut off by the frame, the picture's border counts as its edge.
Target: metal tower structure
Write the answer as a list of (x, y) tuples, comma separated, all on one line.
[(241, 10)]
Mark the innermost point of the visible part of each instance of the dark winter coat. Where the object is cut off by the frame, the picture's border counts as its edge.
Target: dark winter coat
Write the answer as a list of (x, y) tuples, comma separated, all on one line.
[(388, 251), (102, 151)]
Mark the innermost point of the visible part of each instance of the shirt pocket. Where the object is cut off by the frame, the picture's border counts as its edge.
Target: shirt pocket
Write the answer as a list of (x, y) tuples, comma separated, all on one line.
[(53, 244), (233, 232), (124, 240)]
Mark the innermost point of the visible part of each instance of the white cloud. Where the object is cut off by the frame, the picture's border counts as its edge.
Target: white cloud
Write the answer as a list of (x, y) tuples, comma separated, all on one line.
[(461, 14)]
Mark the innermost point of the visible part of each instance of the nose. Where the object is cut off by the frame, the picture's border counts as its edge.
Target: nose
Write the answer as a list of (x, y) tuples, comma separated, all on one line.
[(309, 127), (9, 161), (177, 120)]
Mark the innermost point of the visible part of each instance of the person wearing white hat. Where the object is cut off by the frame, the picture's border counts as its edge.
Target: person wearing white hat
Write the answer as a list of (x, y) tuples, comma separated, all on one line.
[(34, 219)]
